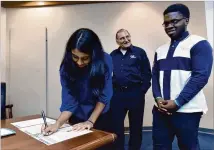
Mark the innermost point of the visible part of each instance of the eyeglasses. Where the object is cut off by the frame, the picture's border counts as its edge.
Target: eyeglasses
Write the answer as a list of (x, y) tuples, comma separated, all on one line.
[(85, 59), (172, 22)]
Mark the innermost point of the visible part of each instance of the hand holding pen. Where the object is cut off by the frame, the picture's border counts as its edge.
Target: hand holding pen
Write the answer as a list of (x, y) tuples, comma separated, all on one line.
[(44, 118), (48, 129)]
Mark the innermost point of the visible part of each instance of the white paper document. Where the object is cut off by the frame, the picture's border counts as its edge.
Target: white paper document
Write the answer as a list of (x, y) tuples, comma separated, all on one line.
[(6, 132), (33, 128), (27, 123)]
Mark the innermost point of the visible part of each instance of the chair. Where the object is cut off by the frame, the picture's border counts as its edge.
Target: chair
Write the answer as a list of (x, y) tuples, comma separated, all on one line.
[(6, 110)]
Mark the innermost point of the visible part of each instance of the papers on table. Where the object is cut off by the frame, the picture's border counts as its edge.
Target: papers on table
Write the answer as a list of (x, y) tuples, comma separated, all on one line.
[(6, 132), (28, 123), (33, 128)]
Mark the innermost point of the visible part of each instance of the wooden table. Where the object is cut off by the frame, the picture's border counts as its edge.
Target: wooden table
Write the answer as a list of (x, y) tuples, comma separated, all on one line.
[(23, 141)]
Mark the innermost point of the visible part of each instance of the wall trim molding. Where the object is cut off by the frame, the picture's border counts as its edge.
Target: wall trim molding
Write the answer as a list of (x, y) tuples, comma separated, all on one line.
[(201, 130), (24, 4)]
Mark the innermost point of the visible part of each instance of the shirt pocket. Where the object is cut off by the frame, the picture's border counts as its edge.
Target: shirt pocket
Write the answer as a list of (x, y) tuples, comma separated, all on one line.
[(134, 65), (133, 61)]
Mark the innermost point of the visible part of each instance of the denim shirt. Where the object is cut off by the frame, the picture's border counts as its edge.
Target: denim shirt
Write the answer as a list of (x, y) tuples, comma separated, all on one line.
[(80, 100), (132, 68)]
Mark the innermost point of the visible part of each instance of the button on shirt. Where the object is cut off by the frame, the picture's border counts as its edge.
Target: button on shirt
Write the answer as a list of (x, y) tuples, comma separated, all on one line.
[(79, 100), (131, 68)]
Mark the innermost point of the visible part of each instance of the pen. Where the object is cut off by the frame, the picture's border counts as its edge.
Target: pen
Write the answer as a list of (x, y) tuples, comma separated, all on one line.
[(44, 118)]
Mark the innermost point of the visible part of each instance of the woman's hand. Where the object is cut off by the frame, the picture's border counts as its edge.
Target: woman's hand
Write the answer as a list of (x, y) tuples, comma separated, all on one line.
[(50, 129), (82, 126)]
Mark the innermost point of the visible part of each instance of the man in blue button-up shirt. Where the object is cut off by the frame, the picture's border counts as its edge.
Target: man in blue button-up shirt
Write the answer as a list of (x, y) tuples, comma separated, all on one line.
[(131, 80), (181, 69)]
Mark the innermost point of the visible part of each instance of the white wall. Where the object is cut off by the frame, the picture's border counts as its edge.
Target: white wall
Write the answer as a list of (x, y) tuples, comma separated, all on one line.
[(209, 88), (27, 73), (142, 19), (209, 20), (3, 50), (3, 44)]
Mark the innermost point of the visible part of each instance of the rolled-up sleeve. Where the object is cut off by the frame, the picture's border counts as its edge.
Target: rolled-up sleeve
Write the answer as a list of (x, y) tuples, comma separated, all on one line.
[(107, 92), (69, 102)]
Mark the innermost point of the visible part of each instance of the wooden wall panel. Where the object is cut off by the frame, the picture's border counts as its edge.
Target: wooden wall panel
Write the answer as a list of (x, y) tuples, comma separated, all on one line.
[(18, 4)]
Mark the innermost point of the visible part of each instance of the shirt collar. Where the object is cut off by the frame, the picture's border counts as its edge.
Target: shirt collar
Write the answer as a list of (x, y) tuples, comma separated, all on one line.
[(129, 49), (183, 36)]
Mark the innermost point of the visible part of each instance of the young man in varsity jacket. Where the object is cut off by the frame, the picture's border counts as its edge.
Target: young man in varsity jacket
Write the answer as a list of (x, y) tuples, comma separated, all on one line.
[(180, 71)]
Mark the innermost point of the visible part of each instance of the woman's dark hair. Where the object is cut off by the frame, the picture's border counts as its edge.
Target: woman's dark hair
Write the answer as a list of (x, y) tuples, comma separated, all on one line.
[(86, 41)]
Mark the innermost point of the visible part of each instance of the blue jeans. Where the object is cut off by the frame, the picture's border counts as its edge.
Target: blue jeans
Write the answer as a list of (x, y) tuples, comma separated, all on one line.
[(182, 125)]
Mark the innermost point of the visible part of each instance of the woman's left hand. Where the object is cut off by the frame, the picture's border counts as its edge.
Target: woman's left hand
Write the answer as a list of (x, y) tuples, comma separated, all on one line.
[(82, 126)]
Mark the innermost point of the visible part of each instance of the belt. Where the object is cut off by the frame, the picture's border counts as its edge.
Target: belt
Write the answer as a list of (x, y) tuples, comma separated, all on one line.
[(122, 88), (126, 88)]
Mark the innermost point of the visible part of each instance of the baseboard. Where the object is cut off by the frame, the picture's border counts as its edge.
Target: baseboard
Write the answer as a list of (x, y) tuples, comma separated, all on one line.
[(201, 130), (208, 131)]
